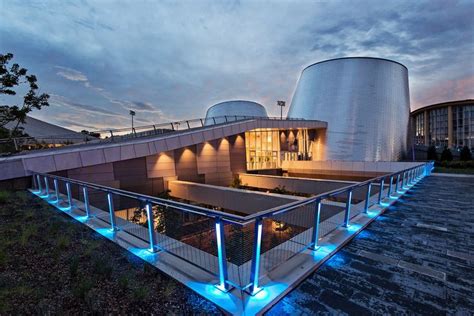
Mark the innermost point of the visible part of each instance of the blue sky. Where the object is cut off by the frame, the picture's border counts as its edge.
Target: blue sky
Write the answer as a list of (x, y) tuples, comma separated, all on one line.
[(171, 60)]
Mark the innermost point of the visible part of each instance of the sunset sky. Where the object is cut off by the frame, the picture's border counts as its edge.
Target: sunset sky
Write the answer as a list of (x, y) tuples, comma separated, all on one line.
[(171, 60)]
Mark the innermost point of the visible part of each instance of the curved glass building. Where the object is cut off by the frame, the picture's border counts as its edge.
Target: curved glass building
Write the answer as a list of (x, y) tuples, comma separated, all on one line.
[(365, 102), (231, 110), (447, 124)]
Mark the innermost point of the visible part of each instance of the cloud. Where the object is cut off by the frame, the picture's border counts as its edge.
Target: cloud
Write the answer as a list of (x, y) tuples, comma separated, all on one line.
[(71, 74), (172, 60)]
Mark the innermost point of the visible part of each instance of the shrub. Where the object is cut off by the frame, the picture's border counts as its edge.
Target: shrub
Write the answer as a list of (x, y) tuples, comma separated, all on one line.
[(74, 267), (81, 289), (446, 155), (465, 154), (236, 182), (431, 153), (4, 197)]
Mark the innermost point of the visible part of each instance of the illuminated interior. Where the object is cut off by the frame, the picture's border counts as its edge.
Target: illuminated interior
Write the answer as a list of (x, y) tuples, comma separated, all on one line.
[(266, 148)]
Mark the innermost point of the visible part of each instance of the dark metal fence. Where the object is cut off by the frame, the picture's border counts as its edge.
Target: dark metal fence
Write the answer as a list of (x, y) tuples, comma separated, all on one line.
[(238, 250), (18, 144)]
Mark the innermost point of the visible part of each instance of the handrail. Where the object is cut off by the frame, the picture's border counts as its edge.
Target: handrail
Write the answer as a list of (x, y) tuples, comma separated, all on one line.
[(292, 205), (232, 218), (203, 121), (146, 198)]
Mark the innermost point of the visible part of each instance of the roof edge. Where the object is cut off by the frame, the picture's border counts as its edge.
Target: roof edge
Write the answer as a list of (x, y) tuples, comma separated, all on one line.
[(359, 57)]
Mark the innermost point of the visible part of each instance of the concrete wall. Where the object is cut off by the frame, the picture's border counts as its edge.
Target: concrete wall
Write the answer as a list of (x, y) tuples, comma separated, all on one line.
[(302, 185), (355, 168), (208, 162), (244, 201)]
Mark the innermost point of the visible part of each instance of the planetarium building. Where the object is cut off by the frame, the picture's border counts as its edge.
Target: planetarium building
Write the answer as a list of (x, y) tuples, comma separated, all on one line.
[(365, 102)]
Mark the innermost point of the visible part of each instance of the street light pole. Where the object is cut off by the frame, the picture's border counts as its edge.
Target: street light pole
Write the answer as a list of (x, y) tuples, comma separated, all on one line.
[(281, 104), (132, 114)]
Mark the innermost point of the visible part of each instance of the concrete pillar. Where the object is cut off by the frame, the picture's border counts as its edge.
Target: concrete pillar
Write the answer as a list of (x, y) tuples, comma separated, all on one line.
[(450, 126)]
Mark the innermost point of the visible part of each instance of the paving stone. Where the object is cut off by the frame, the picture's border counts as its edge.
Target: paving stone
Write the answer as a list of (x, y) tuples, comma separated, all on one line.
[(436, 275)]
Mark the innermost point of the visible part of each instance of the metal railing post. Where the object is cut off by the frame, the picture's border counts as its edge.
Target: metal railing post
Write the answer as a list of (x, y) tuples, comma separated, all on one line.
[(151, 227), (214, 119), (172, 126), (389, 194), (56, 190), (86, 201), (347, 213), (113, 222), (154, 129), (187, 122), (255, 265), (221, 255), (367, 198), (403, 180), (225, 116), (46, 187), (38, 180), (69, 196), (396, 184), (317, 215), (202, 123), (381, 190), (34, 183)]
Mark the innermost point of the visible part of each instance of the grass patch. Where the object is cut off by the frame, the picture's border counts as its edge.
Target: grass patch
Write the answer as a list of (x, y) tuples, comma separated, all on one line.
[(50, 264), (4, 197)]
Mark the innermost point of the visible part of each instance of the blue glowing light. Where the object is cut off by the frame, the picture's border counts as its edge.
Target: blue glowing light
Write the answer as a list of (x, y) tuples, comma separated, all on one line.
[(337, 261), (384, 204), (143, 253), (260, 294), (82, 219), (106, 232), (220, 256), (257, 259), (328, 248), (354, 227), (364, 234), (64, 209), (373, 214)]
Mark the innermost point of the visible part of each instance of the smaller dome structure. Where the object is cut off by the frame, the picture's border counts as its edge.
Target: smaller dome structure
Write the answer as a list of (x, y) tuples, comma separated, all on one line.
[(234, 110)]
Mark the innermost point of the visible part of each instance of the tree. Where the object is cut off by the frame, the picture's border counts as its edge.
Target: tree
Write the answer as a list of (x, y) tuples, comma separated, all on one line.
[(446, 155), (11, 78), (465, 154), (431, 153)]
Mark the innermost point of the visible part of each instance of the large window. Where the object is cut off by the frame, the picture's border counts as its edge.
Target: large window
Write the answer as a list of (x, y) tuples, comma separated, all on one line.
[(438, 128), (463, 126), (420, 129), (262, 149)]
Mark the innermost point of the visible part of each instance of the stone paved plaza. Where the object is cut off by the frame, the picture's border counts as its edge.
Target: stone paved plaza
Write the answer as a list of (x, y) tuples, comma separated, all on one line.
[(418, 258)]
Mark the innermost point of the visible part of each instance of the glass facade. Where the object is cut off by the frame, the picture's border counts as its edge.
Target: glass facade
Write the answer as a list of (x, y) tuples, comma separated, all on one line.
[(267, 148), (438, 127), (463, 126), (420, 129), (262, 149), (437, 132)]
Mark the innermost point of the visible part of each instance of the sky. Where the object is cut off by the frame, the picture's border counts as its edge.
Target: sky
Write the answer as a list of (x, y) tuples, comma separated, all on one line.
[(171, 60)]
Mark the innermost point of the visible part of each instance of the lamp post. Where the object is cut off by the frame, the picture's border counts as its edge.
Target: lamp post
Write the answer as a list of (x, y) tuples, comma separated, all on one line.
[(132, 114), (281, 104)]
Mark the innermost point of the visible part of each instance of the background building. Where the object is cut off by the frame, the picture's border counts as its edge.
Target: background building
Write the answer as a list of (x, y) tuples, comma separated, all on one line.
[(365, 102), (230, 110), (448, 124)]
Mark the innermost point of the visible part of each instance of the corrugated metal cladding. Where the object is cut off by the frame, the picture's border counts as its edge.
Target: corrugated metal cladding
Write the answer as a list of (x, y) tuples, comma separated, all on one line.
[(366, 103), (231, 109)]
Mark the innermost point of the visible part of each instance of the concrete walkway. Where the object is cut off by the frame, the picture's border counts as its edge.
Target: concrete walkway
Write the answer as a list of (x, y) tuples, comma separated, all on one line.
[(417, 258)]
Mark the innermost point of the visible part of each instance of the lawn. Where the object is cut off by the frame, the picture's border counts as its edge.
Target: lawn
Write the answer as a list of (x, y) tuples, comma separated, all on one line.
[(51, 264)]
